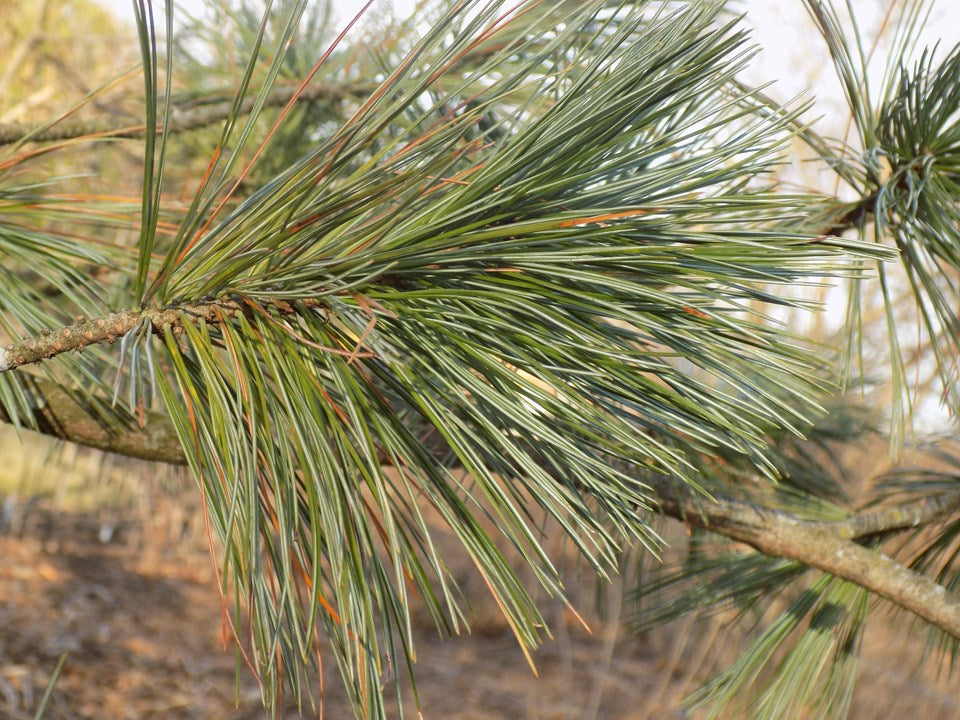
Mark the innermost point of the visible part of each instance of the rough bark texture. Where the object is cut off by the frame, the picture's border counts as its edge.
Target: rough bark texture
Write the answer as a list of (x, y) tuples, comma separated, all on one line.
[(161, 320), (828, 547), (895, 519), (65, 416)]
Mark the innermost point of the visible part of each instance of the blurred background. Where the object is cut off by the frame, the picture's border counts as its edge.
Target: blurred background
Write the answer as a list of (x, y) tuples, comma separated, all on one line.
[(109, 560)]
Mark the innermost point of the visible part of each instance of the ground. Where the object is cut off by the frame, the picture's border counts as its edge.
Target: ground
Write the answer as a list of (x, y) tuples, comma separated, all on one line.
[(143, 639), (131, 598)]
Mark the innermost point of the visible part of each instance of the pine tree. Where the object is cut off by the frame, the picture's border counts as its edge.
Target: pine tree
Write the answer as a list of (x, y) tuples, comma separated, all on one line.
[(515, 268)]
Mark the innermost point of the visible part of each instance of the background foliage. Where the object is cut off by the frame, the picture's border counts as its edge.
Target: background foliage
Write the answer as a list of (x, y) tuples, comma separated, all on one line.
[(520, 267)]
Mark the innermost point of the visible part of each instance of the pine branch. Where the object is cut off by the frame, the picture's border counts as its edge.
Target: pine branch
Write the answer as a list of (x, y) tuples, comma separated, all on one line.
[(184, 117), (830, 547), (194, 114), (827, 546)]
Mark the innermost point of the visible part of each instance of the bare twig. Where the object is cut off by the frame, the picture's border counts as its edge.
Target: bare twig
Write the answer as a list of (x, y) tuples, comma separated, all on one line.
[(896, 519), (187, 118), (85, 333)]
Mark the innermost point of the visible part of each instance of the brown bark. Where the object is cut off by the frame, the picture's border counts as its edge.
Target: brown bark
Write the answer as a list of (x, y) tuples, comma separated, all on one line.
[(85, 333), (830, 547), (63, 415)]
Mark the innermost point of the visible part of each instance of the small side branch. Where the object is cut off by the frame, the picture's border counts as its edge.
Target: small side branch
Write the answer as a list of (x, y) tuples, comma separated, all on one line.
[(84, 333), (898, 518)]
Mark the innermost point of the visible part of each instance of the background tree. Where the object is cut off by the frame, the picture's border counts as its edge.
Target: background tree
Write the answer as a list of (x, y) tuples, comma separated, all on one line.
[(514, 268)]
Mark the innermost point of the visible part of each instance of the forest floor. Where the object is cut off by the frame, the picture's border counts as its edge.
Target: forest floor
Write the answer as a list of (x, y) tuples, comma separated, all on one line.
[(131, 597)]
